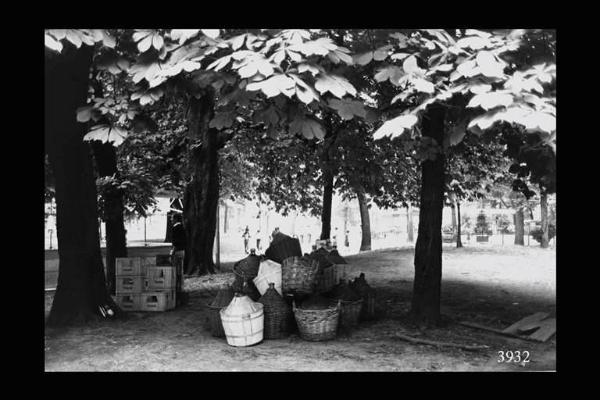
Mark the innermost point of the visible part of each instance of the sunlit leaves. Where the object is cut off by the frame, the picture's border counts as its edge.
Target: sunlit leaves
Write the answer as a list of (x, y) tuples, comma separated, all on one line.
[(211, 33), (487, 101), (489, 65), (53, 44), (277, 84), (106, 133), (392, 73), (182, 35), (396, 126), (336, 85), (378, 55), (146, 39)]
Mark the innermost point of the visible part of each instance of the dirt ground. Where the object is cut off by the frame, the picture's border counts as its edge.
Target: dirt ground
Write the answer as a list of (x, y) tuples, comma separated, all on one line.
[(487, 284)]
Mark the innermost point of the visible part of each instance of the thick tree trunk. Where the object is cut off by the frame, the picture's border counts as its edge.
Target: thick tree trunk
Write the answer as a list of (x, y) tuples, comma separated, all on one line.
[(544, 211), (81, 285), (327, 199), (428, 250), (458, 230), (410, 224), (116, 241), (520, 227), (202, 191), (365, 222)]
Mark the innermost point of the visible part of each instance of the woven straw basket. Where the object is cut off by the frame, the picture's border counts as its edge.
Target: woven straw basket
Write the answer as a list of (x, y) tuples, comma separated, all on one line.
[(317, 324), (222, 300), (298, 274), (278, 314)]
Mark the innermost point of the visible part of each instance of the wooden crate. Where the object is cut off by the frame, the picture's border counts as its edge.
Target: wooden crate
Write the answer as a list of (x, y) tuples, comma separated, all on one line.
[(128, 266), (160, 278), (129, 301), (157, 301), (129, 284)]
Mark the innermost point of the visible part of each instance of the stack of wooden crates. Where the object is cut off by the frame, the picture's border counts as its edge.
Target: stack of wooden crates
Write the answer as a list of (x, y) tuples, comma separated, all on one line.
[(141, 285)]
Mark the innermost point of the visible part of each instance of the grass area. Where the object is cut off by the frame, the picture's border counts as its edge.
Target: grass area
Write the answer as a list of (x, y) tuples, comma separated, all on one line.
[(491, 285)]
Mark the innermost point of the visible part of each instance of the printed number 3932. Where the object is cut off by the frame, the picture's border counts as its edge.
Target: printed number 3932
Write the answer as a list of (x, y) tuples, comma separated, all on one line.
[(513, 356)]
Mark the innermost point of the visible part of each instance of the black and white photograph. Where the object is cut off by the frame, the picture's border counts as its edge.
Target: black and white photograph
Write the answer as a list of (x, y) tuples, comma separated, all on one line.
[(299, 200)]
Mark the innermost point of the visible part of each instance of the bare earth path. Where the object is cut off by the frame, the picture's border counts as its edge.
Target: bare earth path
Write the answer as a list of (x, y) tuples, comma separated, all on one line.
[(488, 284)]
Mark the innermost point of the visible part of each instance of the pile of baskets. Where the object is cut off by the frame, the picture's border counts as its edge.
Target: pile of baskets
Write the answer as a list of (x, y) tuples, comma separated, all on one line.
[(281, 291)]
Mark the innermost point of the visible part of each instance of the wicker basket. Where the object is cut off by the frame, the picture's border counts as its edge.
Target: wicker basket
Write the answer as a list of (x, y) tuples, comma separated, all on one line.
[(278, 314), (222, 300), (298, 274), (350, 313), (243, 321), (246, 286), (317, 324)]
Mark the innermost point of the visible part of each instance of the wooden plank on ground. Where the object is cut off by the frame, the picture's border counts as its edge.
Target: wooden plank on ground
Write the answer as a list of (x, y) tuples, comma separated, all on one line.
[(527, 321), (497, 331), (547, 329)]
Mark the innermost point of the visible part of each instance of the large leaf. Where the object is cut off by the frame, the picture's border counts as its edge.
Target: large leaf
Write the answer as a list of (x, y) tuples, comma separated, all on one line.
[(392, 73), (275, 85), (106, 133), (211, 33), (489, 65), (308, 127), (347, 108), (487, 101), (396, 126), (182, 35), (84, 113), (336, 85), (410, 66), (52, 44)]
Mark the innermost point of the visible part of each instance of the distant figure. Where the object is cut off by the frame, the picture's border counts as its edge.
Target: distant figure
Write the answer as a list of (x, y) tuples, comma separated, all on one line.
[(346, 241), (334, 238), (246, 236), (178, 240), (258, 248)]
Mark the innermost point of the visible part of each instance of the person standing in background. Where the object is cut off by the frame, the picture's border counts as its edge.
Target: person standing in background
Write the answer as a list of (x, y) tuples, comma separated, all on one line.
[(246, 236), (258, 248)]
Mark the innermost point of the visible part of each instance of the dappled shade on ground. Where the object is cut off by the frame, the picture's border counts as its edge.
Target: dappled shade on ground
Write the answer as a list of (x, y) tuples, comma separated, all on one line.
[(494, 286)]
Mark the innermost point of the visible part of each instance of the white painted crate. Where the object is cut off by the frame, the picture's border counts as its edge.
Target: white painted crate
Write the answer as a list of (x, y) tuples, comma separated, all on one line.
[(129, 301), (157, 301), (129, 284), (160, 278)]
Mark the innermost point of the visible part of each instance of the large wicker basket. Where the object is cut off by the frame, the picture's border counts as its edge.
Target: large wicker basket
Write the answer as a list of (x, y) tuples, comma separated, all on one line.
[(222, 300), (278, 314), (317, 324), (298, 274)]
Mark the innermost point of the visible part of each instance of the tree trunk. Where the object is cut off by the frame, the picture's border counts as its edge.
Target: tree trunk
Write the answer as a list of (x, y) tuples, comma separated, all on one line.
[(202, 191), (458, 233), (327, 199), (453, 209), (520, 227), (428, 250), (365, 222), (168, 233), (81, 285), (116, 240), (409, 223), (544, 211)]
